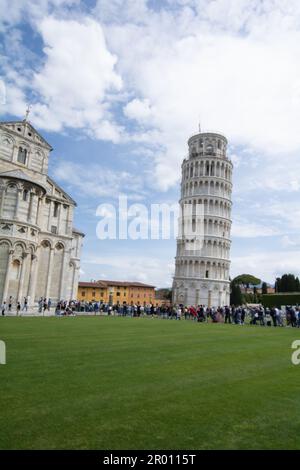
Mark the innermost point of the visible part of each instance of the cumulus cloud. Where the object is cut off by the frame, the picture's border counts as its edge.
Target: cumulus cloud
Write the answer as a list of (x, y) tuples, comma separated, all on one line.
[(232, 62), (98, 182), (77, 73), (267, 265), (15, 11), (139, 110), (244, 229), (73, 85), (148, 269), (121, 10)]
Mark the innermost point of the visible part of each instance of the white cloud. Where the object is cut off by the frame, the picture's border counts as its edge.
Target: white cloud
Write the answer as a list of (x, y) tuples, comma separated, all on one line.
[(81, 272), (245, 229), (138, 109), (98, 182), (15, 11), (121, 10), (234, 63), (77, 74), (286, 212), (186, 64), (74, 85), (267, 266), (13, 97), (146, 269)]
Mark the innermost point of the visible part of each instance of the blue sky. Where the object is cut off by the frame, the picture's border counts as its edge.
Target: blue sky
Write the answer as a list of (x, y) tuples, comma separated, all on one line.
[(117, 87)]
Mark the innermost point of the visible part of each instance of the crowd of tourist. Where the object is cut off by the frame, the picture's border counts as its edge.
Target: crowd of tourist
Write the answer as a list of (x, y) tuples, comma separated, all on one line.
[(254, 315), (258, 315)]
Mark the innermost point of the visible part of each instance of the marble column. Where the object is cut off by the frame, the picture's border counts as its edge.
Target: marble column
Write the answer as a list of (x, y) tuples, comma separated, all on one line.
[(19, 192), (50, 216), (2, 188), (31, 197), (32, 280), (22, 276), (59, 214), (63, 274), (6, 283), (75, 278), (49, 277)]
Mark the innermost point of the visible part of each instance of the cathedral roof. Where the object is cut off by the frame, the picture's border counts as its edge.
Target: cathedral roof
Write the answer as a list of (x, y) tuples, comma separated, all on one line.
[(51, 181), (31, 134), (102, 283), (20, 175), (76, 230)]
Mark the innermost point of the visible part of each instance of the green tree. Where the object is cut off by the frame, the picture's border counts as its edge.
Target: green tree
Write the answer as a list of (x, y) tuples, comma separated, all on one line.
[(236, 297), (163, 294), (287, 283), (278, 285), (264, 288), (246, 280)]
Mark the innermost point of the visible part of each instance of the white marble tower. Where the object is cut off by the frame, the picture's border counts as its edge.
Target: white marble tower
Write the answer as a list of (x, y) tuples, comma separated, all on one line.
[(203, 247)]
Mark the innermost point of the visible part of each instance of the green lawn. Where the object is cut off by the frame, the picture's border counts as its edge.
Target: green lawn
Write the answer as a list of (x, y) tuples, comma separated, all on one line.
[(134, 383)]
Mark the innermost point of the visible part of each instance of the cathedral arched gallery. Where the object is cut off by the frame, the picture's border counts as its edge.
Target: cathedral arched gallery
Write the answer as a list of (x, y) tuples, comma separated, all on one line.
[(39, 247)]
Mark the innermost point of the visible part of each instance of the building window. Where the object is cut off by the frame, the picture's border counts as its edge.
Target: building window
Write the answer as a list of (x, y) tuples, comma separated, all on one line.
[(207, 274), (83, 293), (94, 294), (118, 294), (22, 155), (25, 194), (55, 209), (53, 229)]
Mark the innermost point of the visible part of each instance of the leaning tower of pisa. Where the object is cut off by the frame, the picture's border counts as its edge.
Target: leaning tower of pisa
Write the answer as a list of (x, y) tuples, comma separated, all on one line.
[(203, 244)]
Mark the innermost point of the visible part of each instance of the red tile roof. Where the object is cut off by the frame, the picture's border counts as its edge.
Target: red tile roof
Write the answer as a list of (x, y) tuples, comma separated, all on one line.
[(104, 283)]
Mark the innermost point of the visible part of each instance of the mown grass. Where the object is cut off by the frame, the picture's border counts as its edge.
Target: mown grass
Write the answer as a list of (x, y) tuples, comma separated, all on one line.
[(135, 383)]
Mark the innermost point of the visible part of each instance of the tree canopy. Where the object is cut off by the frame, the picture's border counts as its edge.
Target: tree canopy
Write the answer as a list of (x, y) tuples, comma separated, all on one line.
[(246, 280), (264, 288), (236, 297), (287, 283)]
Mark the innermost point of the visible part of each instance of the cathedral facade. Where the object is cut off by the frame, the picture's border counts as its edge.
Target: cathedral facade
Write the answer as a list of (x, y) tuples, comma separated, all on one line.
[(39, 247)]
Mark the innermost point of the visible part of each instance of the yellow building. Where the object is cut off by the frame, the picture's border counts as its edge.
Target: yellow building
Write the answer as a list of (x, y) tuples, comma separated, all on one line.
[(116, 292)]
